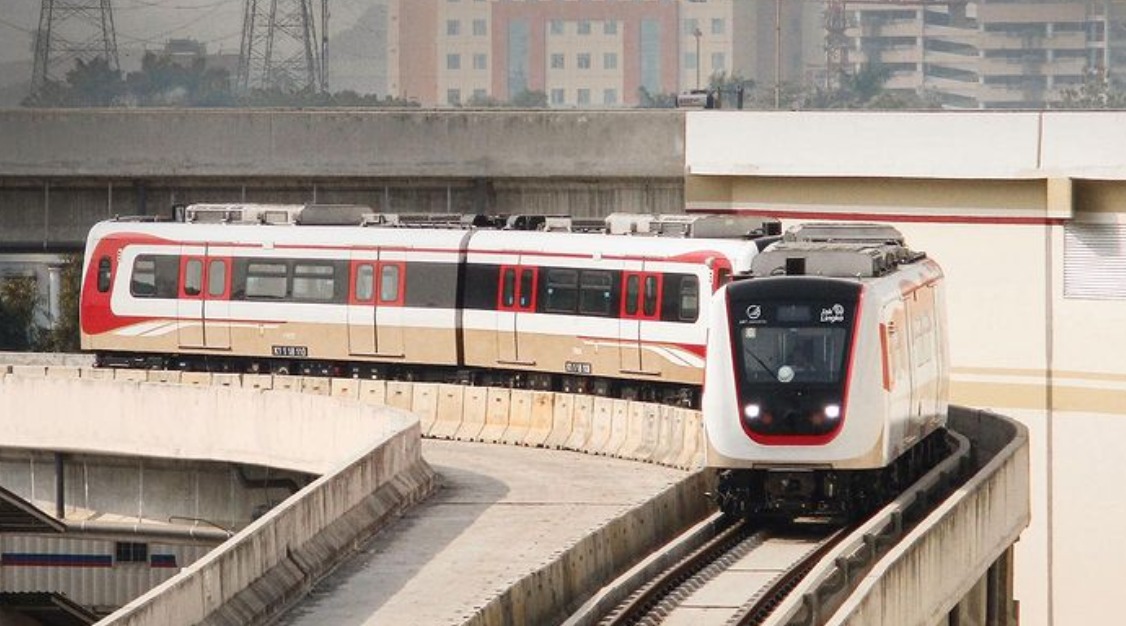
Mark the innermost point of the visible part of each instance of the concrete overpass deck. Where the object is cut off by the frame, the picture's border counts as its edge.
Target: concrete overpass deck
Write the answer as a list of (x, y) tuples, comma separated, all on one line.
[(500, 513), (508, 557)]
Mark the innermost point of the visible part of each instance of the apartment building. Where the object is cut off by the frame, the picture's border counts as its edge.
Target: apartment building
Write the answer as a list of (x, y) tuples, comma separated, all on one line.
[(579, 53), (988, 54)]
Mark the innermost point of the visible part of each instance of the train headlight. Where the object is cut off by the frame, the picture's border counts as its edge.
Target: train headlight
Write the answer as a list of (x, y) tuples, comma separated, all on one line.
[(751, 411), (832, 411)]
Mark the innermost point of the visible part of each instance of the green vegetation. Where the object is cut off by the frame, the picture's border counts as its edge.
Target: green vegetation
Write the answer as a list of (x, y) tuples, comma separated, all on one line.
[(164, 82), (19, 297)]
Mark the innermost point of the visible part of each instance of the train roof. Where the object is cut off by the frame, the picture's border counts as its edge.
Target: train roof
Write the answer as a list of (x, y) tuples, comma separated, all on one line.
[(836, 250), (651, 236)]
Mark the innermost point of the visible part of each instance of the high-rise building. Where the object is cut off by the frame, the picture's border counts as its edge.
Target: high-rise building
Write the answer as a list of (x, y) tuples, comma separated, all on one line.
[(989, 54), (578, 53)]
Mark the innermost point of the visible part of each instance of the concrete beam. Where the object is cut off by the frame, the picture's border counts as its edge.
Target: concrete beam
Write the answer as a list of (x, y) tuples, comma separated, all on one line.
[(232, 143)]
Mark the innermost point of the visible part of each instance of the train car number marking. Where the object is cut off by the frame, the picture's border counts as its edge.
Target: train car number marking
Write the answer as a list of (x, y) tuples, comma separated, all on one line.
[(290, 351), (575, 367)]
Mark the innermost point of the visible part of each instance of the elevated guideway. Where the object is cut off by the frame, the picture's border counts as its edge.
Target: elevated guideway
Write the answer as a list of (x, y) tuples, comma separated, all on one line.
[(983, 518)]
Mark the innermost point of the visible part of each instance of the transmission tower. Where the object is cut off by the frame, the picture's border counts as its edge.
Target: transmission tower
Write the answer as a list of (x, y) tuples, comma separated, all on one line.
[(69, 31), (279, 47)]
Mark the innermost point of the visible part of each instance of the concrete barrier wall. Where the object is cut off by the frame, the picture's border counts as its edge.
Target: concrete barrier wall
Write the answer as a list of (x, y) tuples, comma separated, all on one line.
[(942, 559), (298, 431), (270, 562), (122, 143), (558, 588), (369, 457)]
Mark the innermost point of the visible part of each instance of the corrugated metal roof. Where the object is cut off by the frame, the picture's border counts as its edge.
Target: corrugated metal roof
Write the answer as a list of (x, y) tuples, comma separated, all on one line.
[(20, 516), (49, 609)]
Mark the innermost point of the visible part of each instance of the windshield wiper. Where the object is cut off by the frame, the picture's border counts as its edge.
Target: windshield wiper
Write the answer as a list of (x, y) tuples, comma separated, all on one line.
[(762, 364)]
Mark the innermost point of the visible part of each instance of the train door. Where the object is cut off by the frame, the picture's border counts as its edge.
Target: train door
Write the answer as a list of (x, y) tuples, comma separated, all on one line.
[(375, 305), (204, 300), (361, 306), (641, 303), (390, 295), (516, 297)]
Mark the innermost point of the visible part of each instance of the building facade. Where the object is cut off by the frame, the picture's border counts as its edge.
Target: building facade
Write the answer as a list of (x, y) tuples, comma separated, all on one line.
[(578, 53), (987, 54)]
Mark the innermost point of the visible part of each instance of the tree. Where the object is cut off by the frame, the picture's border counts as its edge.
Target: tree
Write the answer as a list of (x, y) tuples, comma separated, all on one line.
[(18, 297), (1095, 92), (646, 100), (527, 99), (64, 335)]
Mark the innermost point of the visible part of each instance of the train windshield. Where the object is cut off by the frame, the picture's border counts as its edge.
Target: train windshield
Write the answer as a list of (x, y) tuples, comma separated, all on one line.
[(794, 343)]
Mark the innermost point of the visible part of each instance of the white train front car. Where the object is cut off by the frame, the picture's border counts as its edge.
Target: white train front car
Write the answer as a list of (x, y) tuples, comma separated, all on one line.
[(826, 373)]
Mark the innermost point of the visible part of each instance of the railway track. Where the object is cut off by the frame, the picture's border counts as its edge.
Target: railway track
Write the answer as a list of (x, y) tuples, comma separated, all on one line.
[(736, 573)]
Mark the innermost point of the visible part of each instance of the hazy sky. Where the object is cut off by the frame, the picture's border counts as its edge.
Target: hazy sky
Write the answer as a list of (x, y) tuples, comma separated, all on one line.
[(150, 23)]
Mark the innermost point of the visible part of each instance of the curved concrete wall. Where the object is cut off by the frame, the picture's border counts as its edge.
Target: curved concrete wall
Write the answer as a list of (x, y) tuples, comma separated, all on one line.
[(369, 457), (938, 564)]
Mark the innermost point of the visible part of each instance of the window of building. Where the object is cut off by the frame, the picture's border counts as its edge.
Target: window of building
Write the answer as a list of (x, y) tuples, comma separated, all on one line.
[(453, 27), (130, 552), (719, 62), (583, 96), (557, 61), (583, 61), (609, 96), (689, 60), (610, 27), (691, 25), (584, 27), (480, 61), (719, 26), (557, 96), (556, 27), (610, 61), (480, 29), (480, 96), (453, 97), (453, 61)]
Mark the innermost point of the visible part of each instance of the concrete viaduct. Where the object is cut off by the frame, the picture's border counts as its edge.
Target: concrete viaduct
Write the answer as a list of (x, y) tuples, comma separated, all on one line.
[(1026, 211)]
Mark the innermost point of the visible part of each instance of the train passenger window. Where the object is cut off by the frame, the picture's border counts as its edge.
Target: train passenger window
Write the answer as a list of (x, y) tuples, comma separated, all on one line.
[(508, 287), (193, 277), (389, 283), (104, 268), (689, 306), (216, 278), (365, 283), (633, 286), (155, 276), (594, 296), (562, 293), (651, 288), (266, 280), (314, 281), (527, 287)]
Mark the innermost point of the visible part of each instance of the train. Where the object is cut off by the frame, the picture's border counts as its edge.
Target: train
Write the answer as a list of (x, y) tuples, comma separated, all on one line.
[(616, 306), (827, 374)]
